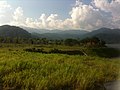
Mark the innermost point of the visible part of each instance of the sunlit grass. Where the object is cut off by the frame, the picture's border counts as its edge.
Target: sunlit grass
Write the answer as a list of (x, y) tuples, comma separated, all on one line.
[(29, 70)]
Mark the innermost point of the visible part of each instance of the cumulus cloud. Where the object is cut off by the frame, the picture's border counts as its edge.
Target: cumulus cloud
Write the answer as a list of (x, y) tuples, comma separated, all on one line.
[(112, 7), (105, 5), (18, 14), (82, 17), (4, 4), (46, 22), (97, 14), (87, 17), (18, 17), (5, 8)]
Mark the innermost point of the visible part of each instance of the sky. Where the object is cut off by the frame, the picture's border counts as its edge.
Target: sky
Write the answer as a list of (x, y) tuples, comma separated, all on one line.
[(61, 14)]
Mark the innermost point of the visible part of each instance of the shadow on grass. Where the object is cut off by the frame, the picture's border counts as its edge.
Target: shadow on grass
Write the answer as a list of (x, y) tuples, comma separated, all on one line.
[(100, 52), (56, 51)]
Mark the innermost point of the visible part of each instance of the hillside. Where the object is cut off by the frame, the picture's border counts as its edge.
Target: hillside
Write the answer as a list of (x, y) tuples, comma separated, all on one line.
[(13, 32), (106, 34)]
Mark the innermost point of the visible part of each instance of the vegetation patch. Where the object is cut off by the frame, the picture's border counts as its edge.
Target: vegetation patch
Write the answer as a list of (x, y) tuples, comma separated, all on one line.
[(37, 71), (86, 51), (102, 52), (57, 51)]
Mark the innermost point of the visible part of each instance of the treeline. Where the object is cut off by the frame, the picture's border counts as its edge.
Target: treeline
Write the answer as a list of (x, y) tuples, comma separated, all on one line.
[(30, 41), (93, 41)]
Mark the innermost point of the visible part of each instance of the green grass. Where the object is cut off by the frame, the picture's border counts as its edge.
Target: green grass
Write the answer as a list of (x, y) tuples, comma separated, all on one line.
[(102, 52), (36, 71)]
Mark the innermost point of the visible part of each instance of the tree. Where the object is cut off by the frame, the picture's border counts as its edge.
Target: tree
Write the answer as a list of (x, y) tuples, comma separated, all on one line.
[(71, 42), (93, 41)]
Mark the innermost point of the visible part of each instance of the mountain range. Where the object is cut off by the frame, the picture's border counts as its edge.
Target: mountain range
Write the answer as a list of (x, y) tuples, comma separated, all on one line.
[(55, 34), (106, 34)]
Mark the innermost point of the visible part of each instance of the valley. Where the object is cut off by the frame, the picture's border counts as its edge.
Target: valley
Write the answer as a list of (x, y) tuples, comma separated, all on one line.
[(41, 63), (59, 44)]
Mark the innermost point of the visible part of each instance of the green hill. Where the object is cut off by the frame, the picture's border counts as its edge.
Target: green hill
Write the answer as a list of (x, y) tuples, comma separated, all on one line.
[(13, 32), (105, 34)]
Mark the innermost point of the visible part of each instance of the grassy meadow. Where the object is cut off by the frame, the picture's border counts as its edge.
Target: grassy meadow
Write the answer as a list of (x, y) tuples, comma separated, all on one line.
[(23, 70)]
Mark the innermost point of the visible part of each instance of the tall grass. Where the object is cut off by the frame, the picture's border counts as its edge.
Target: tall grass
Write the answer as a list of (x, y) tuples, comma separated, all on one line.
[(36, 71)]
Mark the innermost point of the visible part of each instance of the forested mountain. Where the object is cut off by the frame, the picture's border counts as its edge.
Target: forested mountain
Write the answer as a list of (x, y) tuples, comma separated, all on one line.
[(106, 34), (55, 34), (13, 32)]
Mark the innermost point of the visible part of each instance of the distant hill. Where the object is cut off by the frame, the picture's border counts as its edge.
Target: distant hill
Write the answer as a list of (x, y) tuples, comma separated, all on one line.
[(77, 32), (55, 34), (106, 34), (61, 34), (44, 31), (13, 32), (34, 30)]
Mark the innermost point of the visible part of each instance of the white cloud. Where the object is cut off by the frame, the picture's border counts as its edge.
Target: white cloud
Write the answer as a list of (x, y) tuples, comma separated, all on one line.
[(82, 17), (112, 7), (99, 13), (4, 4), (46, 22), (43, 18), (5, 14), (86, 17), (18, 17), (101, 4), (18, 14)]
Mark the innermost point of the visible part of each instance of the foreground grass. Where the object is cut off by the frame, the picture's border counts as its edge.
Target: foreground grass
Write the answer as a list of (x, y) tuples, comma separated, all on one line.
[(36, 71)]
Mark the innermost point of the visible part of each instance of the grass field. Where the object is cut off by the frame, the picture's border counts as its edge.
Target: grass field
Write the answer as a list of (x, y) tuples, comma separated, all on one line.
[(21, 70)]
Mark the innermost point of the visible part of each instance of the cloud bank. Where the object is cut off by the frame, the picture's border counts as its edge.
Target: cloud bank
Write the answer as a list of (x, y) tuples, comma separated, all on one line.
[(97, 14)]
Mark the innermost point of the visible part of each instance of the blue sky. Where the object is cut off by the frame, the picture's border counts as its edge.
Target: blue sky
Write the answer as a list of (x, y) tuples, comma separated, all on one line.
[(34, 8), (61, 14)]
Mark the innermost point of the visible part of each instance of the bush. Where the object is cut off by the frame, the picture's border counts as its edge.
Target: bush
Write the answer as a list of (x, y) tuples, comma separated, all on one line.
[(93, 42), (71, 42), (34, 50), (103, 52)]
